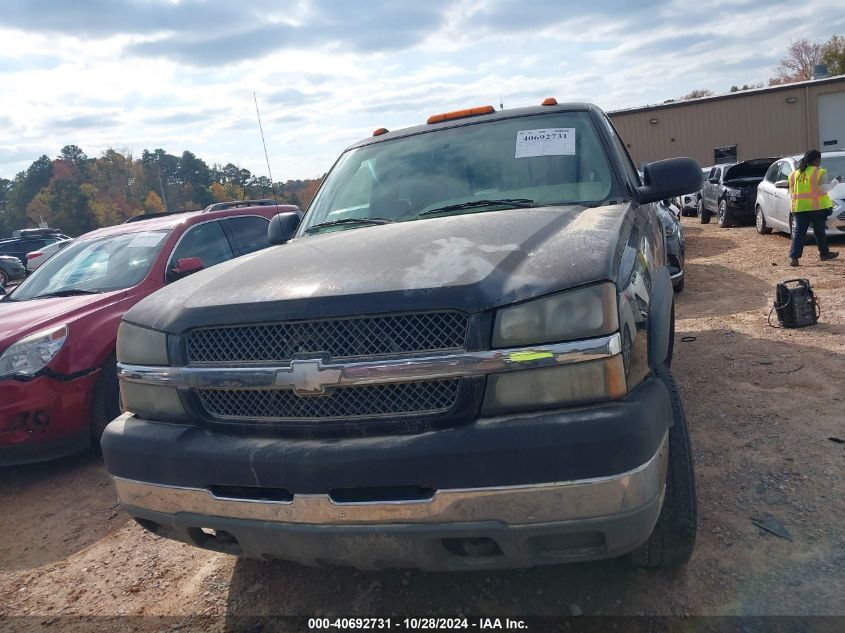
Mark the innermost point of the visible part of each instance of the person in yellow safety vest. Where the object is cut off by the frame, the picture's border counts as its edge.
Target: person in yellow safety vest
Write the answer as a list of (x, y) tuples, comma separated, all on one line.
[(808, 187)]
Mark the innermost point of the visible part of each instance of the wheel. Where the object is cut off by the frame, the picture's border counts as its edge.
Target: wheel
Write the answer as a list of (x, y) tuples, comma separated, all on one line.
[(105, 405), (702, 212), (726, 219), (673, 539), (4, 278), (760, 222)]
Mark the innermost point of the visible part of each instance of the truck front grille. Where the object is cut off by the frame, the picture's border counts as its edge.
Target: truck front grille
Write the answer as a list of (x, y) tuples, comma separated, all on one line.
[(371, 401), (337, 338)]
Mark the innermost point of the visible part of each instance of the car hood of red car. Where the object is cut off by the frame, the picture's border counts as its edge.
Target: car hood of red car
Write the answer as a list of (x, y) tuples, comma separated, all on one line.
[(22, 318)]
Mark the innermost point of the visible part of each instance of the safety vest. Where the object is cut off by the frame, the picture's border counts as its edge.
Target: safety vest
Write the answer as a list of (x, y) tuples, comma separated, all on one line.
[(804, 190)]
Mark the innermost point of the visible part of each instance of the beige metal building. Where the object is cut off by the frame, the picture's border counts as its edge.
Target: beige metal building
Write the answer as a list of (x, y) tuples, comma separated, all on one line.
[(772, 121)]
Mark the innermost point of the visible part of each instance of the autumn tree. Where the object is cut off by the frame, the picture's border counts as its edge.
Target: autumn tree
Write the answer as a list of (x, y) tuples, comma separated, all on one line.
[(112, 175), (308, 193), (153, 203), (218, 191), (797, 64)]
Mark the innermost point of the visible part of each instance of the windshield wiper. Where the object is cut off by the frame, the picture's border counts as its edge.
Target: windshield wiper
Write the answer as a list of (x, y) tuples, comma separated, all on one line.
[(508, 202), (342, 221), (70, 292)]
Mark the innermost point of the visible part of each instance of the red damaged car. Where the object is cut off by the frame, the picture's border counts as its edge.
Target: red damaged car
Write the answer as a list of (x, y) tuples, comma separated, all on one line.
[(58, 382)]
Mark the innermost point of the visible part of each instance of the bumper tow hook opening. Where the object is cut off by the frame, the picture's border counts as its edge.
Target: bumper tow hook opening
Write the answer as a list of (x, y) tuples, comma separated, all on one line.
[(215, 540), (478, 547)]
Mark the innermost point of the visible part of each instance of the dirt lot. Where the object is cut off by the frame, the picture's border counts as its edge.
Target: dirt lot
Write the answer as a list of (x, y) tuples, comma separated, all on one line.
[(763, 404)]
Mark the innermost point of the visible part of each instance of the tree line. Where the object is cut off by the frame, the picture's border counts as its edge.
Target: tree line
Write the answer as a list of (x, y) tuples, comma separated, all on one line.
[(76, 194), (797, 64)]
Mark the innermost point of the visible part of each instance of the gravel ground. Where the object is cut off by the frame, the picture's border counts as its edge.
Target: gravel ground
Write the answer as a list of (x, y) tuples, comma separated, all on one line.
[(762, 404)]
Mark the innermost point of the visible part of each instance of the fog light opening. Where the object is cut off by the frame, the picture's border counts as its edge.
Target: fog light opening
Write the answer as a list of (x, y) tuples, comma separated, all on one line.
[(476, 547)]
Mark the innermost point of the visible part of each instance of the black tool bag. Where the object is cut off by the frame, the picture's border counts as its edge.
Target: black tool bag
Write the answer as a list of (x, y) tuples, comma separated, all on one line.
[(795, 303)]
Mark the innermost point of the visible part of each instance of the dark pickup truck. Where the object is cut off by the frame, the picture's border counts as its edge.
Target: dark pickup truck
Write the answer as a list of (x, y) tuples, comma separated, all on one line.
[(458, 360), (730, 191)]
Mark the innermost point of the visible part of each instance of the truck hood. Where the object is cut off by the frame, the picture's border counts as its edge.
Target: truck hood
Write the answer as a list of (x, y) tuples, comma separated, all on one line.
[(755, 168), (472, 262), (22, 318)]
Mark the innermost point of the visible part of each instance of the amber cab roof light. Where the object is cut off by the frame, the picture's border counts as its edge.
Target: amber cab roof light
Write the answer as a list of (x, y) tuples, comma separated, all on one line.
[(380, 131), (549, 101), (460, 114)]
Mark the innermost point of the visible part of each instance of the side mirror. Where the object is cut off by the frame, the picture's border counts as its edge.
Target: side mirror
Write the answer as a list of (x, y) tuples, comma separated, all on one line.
[(782, 184), (184, 267), (282, 227), (669, 178)]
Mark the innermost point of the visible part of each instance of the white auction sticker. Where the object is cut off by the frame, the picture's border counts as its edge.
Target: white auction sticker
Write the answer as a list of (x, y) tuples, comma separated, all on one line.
[(146, 240), (556, 141)]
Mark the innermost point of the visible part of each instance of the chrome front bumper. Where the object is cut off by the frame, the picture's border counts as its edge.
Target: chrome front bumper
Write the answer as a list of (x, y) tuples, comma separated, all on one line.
[(512, 505)]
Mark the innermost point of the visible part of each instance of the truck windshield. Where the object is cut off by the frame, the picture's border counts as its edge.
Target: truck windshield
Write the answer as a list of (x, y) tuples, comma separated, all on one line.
[(549, 159), (91, 266)]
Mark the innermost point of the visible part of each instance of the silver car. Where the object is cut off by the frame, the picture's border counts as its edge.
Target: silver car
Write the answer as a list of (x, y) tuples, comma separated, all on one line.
[(773, 203)]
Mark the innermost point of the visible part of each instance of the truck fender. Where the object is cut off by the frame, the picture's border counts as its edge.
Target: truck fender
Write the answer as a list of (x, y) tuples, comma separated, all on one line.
[(660, 318)]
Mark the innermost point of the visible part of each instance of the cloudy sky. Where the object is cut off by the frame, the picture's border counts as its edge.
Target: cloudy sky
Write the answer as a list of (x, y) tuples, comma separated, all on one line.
[(180, 74)]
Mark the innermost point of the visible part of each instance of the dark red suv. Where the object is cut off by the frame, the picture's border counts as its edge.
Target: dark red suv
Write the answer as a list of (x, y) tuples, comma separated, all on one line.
[(58, 383)]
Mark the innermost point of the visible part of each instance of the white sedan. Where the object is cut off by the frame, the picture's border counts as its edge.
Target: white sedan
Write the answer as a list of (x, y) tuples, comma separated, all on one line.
[(36, 258), (773, 202)]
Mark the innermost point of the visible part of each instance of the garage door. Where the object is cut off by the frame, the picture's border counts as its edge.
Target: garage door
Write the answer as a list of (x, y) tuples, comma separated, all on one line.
[(832, 121)]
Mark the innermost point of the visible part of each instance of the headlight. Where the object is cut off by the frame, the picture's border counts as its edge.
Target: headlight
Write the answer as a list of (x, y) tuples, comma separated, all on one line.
[(153, 402), (31, 354), (141, 346), (578, 383), (575, 314)]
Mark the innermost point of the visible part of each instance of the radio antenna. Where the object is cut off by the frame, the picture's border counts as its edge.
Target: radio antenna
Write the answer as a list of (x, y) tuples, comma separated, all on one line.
[(264, 143)]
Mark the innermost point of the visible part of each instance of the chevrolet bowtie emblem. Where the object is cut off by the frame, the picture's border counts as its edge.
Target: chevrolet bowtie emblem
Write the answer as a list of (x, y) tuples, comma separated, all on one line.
[(308, 377)]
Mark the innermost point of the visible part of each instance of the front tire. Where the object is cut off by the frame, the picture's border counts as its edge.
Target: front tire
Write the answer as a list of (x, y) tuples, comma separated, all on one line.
[(760, 221), (702, 212), (726, 219), (105, 405), (673, 539), (4, 278)]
